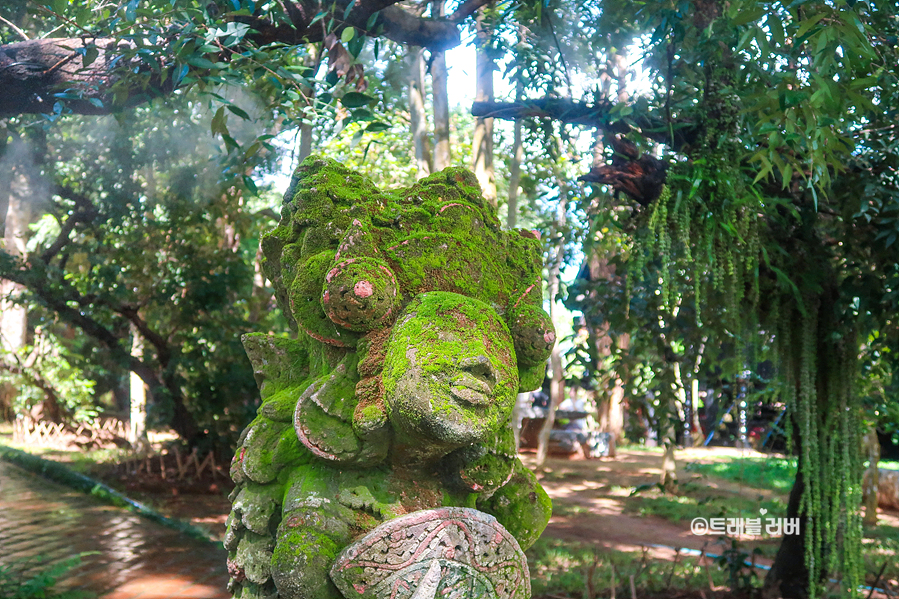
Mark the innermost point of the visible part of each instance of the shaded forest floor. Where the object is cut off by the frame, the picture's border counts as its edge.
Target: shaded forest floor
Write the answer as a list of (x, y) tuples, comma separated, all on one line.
[(602, 535)]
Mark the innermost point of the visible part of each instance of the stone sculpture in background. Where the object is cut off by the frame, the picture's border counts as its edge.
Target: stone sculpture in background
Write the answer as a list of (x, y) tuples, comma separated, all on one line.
[(380, 464)]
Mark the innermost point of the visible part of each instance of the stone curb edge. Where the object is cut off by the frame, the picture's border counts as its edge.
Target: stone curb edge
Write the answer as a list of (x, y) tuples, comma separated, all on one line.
[(64, 475)]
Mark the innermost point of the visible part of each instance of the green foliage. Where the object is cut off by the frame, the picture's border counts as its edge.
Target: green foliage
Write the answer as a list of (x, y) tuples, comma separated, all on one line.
[(777, 114), (153, 229), (776, 474), (53, 370), (735, 561), (573, 570), (697, 502), (197, 47), (35, 579)]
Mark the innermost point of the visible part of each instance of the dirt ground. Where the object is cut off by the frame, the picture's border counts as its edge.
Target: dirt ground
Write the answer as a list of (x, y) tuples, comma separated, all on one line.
[(598, 491), (591, 502), (589, 499)]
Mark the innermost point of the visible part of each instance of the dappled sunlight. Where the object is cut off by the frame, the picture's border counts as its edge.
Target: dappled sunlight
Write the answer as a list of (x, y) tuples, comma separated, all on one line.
[(164, 586), (99, 547)]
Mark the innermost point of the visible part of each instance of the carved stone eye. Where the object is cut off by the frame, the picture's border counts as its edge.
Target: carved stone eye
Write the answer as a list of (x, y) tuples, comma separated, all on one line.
[(307, 311), (360, 294)]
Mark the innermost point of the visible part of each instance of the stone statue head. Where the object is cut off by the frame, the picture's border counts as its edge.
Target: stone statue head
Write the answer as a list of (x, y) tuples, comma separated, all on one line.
[(418, 321), (442, 308)]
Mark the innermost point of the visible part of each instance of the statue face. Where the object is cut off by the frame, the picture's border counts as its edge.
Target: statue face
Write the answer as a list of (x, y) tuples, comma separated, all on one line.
[(450, 375)]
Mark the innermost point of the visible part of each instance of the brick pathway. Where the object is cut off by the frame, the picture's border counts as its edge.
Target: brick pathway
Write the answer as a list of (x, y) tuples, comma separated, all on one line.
[(136, 558)]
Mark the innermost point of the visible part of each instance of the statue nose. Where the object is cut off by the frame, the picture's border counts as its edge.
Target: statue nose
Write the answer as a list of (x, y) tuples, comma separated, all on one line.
[(481, 368)]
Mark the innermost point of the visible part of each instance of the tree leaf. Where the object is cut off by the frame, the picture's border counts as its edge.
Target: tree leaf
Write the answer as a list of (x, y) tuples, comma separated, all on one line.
[(90, 55), (747, 16), (356, 99), (238, 111), (200, 62), (250, 185), (218, 124)]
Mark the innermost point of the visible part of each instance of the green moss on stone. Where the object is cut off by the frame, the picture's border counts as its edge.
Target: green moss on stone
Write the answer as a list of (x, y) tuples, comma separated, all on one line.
[(440, 244), (521, 506)]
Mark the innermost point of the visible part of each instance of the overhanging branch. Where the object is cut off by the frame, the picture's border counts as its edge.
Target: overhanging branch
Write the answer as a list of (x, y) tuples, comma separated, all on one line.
[(640, 176), (597, 115), (33, 71)]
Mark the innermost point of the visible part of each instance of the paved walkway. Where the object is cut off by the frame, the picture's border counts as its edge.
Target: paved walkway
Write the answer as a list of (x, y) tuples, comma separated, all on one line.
[(42, 523)]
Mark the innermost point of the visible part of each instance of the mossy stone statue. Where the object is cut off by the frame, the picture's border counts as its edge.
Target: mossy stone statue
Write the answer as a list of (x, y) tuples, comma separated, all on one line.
[(381, 463)]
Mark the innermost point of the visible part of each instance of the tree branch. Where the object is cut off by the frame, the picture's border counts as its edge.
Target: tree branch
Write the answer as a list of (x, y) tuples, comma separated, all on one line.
[(639, 176), (84, 212), (595, 115), (466, 9), (393, 22), (36, 282), (31, 72), (163, 351)]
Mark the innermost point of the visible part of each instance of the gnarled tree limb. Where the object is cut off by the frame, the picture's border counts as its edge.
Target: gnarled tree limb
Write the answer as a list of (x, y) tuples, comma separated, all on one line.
[(591, 115), (32, 71)]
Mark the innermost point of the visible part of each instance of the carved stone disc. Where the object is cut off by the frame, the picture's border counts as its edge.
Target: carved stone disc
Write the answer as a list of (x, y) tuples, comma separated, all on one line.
[(445, 553)]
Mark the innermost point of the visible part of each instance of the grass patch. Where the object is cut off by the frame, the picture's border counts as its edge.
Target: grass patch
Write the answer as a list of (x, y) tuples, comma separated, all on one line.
[(693, 504), (83, 461), (775, 474), (562, 569), (34, 578), (881, 546)]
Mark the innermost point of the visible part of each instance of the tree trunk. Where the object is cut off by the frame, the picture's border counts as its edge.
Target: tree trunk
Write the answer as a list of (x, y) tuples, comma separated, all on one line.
[(17, 185), (668, 477), (871, 478), (611, 416), (557, 383), (137, 430), (305, 148), (418, 117), (788, 576), (313, 62), (556, 395), (610, 408), (695, 426), (442, 155), (260, 295), (482, 144), (515, 421), (515, 176)]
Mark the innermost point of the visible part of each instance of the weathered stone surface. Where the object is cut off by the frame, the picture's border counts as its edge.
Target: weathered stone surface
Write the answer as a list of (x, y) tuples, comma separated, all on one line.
[(887, 488), (418, 321), (452, 553)]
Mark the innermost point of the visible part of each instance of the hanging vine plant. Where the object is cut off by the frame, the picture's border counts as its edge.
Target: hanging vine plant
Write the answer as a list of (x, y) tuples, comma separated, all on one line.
[(754, 251)]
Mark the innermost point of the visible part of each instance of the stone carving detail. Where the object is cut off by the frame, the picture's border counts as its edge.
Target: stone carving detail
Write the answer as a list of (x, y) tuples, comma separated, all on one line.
[(451, 553), (418, 321)]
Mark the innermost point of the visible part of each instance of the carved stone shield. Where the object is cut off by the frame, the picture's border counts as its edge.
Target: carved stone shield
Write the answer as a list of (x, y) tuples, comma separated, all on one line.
[(446, 553)]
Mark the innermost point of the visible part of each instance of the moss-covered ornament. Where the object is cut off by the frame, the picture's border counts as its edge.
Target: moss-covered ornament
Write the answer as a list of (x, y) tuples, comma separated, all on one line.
[(418, 321)]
